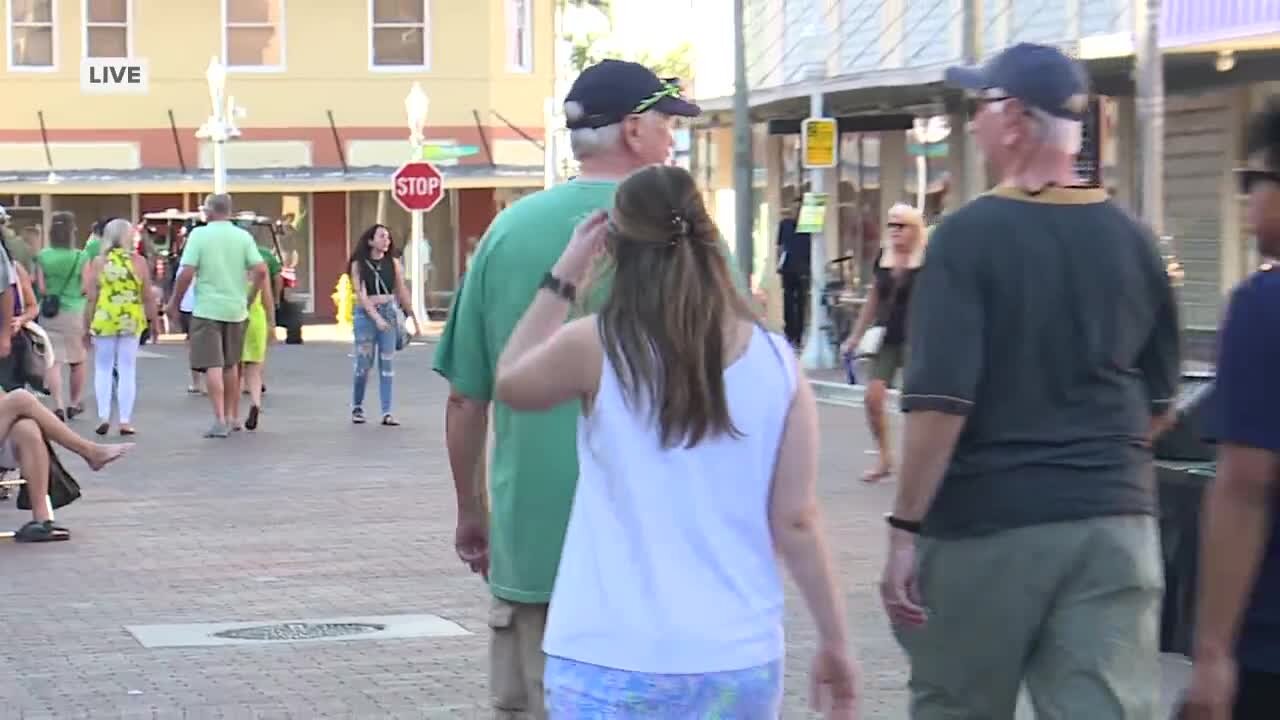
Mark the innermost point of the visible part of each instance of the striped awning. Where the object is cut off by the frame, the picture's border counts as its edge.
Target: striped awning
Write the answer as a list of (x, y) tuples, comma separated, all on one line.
[(1200, 22)]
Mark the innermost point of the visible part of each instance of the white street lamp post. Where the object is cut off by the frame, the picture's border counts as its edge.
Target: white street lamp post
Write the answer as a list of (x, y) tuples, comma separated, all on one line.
[(221, 125), (415, 107)]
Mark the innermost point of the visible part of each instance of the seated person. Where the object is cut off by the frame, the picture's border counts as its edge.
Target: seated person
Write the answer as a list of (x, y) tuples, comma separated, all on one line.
[(25, 424)]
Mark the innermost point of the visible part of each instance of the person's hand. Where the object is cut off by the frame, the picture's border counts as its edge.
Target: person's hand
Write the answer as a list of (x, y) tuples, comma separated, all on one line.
[(1212, 691), (15, 325), (471, 541), (850, 345), (417, 329), (833, 684), (899, 588), (1160, 424), (6, 344), (587, 242), (379, 323)]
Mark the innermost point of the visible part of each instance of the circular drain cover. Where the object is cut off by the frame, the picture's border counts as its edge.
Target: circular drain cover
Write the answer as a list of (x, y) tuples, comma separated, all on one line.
[(298, 631)]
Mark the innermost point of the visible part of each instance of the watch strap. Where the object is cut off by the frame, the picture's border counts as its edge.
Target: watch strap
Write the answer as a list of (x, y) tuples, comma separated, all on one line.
[(563, 288), (911, 526)]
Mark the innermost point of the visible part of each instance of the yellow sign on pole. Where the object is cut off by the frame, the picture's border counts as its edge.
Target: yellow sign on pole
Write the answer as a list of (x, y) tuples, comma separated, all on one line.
[(818, 140)]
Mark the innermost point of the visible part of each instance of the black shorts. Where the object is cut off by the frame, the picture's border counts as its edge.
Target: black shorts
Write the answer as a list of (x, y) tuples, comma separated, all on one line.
[(185, 321)]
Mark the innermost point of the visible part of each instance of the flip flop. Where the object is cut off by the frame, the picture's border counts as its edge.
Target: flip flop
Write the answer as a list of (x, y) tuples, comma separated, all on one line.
[(38, 532)]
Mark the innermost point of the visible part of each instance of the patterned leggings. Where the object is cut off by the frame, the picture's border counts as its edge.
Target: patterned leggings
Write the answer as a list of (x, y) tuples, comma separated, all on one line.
[(579, 691)]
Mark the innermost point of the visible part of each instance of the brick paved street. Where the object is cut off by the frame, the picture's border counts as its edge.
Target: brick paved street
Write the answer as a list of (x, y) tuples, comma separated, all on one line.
[(311, 517)]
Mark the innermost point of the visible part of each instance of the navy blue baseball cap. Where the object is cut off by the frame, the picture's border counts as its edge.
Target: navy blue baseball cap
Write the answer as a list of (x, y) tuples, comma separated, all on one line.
[(611, 90), (1041, 76)]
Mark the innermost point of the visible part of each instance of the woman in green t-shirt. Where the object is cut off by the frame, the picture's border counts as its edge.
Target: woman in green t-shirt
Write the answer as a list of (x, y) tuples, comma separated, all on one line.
[(59, 278)]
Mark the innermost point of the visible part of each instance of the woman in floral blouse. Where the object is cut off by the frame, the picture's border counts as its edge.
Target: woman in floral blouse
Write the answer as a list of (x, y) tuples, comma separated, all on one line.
[(119, 304)]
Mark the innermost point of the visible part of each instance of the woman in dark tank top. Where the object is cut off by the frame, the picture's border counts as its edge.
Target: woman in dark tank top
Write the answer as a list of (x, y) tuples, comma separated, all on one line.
[(885, 315)]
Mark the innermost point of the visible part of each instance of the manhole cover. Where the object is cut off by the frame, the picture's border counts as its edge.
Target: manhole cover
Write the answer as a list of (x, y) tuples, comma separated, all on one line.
[(299, 631)]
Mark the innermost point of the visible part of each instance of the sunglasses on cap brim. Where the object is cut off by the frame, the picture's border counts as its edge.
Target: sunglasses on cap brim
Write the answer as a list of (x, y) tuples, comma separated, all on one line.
[(1250, 177), (670, 89)]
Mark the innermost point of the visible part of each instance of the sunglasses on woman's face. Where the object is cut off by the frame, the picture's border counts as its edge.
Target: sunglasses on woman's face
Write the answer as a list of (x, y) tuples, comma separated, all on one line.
[(1250, 178)]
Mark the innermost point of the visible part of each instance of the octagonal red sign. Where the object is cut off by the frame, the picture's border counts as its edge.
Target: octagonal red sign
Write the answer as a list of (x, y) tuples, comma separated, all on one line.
[(417, 186)]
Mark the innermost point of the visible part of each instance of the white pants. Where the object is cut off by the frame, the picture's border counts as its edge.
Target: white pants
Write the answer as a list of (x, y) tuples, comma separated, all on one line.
[(118, 353)]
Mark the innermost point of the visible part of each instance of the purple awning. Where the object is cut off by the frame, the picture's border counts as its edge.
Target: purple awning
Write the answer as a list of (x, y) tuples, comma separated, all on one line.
[(1195, 22)]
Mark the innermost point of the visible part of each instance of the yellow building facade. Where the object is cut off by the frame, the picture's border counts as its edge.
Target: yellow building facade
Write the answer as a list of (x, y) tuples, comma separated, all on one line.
[(323, 86)]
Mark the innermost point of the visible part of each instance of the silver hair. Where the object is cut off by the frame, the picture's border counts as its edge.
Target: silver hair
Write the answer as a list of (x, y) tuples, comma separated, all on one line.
[(590, 142), (117, 233), (1061, 134), (218, 204)]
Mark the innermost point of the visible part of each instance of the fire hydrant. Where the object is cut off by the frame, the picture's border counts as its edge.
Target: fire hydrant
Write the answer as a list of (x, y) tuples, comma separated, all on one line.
[(344, 300)]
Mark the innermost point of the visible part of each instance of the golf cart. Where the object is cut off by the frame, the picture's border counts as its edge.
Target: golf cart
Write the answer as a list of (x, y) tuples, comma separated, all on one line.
[(166, 232)]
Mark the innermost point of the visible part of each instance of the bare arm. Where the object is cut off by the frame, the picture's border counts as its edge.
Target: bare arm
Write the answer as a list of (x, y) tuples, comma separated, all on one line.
[(867, 314), (40, 286), (186, 274), (796, 520), (466, 428), (402, 290), (91, 271), (258, 283), (1236, 521), (143, 275), (30, 309), (269, 304), (545, 362)]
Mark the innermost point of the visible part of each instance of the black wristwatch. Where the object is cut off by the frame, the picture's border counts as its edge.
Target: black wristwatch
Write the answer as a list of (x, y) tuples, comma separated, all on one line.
[(897, 523), (564, 289)]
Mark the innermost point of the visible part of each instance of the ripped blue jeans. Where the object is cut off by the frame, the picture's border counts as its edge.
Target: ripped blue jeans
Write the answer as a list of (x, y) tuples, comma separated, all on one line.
[(374, 346)]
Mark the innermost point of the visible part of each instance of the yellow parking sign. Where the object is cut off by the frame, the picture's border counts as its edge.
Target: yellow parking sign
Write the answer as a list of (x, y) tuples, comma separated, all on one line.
[(818, 141)]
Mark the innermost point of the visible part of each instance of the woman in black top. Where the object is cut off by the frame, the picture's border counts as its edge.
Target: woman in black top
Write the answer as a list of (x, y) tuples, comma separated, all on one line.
[(380, 296), (882, 323)]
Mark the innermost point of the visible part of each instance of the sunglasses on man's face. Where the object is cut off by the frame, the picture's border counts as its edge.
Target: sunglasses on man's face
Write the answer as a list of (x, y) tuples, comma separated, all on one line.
[(897, 226), (1250, 178)]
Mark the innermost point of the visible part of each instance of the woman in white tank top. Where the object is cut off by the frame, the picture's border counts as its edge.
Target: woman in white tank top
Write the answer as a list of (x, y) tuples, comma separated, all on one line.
[(697, 453)]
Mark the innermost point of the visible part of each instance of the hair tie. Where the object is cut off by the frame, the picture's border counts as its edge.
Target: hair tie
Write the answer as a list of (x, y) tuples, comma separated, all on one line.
[(679, 228)]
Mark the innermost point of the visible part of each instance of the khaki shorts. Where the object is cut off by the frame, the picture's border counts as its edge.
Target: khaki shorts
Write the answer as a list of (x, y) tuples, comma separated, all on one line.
[(215, 344), (516, 661), (1072, 609), (66, 334)]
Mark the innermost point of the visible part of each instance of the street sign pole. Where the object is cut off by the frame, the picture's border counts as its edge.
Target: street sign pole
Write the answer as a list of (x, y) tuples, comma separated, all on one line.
[(818, 135), (417, 187)]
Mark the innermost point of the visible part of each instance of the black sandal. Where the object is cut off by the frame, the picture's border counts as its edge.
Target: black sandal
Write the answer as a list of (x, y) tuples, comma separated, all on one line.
[(357, 416), (103, 429), (389, 421), (251, 422), (75, 410), (37, 532)]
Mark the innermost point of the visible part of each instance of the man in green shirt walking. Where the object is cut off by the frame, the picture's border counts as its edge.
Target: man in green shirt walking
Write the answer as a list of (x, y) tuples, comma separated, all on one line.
[(619, 115), (219, 258)]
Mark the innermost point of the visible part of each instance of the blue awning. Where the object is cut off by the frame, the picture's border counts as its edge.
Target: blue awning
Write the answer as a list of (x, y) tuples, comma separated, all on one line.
[(1201, 22)]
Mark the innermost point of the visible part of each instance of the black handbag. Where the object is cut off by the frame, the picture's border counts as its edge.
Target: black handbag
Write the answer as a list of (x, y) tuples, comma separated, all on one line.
[(63, 489)]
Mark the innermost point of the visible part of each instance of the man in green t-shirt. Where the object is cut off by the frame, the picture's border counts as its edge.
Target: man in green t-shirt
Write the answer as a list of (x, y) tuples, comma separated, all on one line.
[(619, 115), (219, 258)]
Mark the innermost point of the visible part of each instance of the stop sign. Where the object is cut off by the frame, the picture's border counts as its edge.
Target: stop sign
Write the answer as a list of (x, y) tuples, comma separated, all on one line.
[(417, 186)]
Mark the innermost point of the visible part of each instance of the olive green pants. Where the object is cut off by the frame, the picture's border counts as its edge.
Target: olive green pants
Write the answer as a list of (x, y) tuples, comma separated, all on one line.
[(1072, 609)]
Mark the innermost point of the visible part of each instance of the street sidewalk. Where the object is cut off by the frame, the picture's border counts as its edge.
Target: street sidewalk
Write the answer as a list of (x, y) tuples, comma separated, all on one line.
[(311, 518)]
